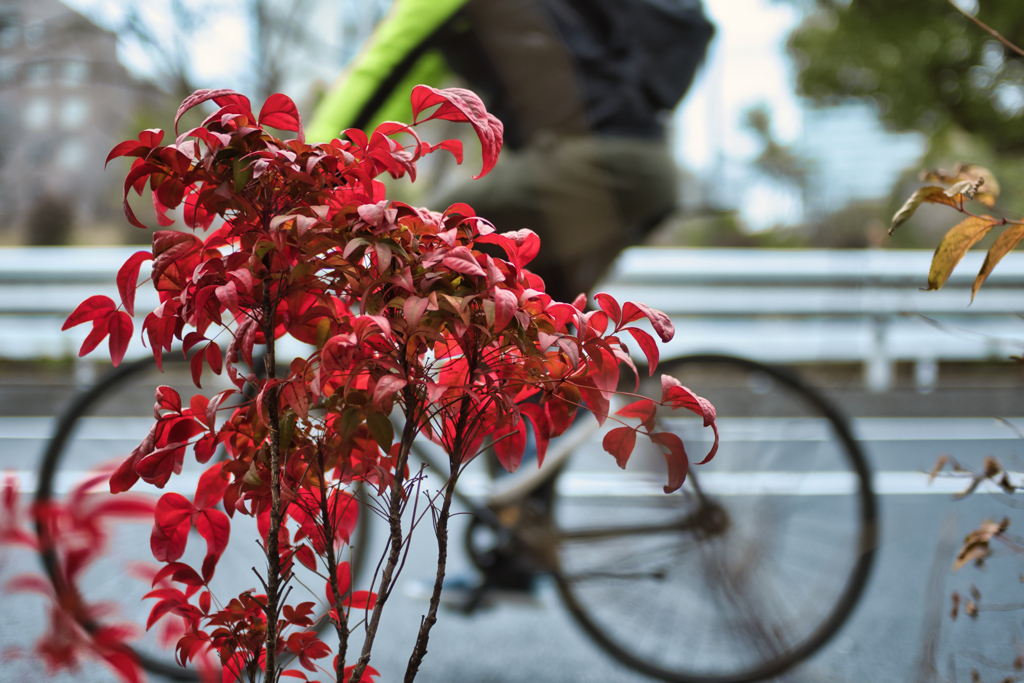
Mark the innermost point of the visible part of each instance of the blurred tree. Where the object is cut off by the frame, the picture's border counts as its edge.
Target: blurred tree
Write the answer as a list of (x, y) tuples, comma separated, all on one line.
[(286, 38), (924, 63), (776, 161)]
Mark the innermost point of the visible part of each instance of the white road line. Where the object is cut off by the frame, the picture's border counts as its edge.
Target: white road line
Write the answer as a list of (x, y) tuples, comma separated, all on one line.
[(762, 429), (625, 485)]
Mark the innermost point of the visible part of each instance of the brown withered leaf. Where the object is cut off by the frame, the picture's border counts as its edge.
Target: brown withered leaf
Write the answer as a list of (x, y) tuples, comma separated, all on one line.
[(976, 544), (971, 609), (975, 676), (954, 245), (988, 189), (975, 593), (955, 612), (931, 194), (1003, 245), (1018, 662), (991, 466), (939, 464)]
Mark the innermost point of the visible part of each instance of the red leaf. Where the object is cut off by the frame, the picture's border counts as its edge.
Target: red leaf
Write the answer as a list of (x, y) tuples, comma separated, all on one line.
[(620, 443), (678, 463), (196, 365), (93, 308), (128, 279), (610, 306), (126, 148), (458, 104), (215, 527), (294, 393), (541, 428), (344, 575), (461, 260), (120, 328), (200, 96), (212, 484), (659, 321), (166, 399), (509, 446), (196, 215), (138, 174), (643, 410), (521, 246), (505, 305), (214, 358), (304, 554), (280, 112), (362, 600), (648, 346), (172, 521), (100, 329), (123, 663), (414, 309), (675, 394), (386, 388), (179, 572)]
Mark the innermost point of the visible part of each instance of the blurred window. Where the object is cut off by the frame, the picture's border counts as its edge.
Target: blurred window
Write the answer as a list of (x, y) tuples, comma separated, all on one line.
[(34, 32), (38, 74), (37, 113), (72, 155), (74, 73), (74, 113), (8, 69)]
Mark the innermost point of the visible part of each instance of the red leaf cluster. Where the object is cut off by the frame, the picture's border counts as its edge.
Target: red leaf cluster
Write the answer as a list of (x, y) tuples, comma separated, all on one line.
[(399, 307)]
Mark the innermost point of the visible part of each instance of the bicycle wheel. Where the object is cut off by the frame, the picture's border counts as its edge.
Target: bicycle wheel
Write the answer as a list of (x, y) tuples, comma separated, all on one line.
[(748, 569), (101, 426)]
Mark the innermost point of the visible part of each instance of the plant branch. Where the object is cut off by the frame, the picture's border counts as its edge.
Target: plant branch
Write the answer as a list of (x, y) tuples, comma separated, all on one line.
[(396, 540), (985, 27), (273, 440)]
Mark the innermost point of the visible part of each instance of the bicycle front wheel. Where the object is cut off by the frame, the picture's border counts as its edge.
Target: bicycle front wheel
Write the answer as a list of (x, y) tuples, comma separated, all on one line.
[(748, 569), (99, 429)]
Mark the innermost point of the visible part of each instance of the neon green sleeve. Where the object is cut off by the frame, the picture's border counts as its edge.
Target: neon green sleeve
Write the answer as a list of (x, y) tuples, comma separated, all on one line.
[(408, 24)]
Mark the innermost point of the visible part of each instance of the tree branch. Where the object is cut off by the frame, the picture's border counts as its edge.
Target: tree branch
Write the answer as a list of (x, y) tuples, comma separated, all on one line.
[(985, 27)]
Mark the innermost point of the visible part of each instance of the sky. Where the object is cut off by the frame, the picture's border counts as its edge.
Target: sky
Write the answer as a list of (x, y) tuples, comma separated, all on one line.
[(746, 66)]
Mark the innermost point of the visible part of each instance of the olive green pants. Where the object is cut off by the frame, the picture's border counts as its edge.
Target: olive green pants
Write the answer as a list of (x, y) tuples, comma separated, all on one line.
[(587, 198)]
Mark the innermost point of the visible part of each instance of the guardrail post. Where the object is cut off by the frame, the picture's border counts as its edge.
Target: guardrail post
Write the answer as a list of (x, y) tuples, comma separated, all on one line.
[(926, 375), (878, 366)]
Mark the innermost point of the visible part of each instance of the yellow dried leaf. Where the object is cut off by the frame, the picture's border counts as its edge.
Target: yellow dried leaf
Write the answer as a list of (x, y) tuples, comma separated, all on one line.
[(931, 194), (1003, 245), (954, 245), (988, 190)]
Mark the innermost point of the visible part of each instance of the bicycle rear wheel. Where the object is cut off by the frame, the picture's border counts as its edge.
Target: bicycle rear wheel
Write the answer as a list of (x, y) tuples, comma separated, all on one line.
[(101, 426), (749, 568)]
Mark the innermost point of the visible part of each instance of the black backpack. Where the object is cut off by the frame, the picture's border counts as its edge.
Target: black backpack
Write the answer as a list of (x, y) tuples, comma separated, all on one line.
[(634, 57)]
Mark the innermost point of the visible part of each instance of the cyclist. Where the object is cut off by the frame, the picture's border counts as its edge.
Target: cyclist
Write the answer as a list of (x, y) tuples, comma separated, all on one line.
[(582, 87)]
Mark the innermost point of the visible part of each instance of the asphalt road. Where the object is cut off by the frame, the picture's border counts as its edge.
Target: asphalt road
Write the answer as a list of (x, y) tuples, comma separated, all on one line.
[(900, 631)]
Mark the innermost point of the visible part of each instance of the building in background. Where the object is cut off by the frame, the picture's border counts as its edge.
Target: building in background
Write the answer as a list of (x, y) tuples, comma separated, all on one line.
[(65, 101)]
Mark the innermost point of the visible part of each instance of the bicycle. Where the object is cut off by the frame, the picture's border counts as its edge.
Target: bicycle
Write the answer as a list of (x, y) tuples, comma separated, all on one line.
[(764, 552)]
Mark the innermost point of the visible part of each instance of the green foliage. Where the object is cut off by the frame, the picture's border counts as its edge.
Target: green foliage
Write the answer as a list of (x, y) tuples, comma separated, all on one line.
[(924, 63)]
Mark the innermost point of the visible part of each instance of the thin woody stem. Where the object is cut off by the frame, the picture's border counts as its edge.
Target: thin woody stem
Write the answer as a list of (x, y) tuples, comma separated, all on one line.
[(273, 553), (455, 459), (396, 541), (988, 29), (332, 571)]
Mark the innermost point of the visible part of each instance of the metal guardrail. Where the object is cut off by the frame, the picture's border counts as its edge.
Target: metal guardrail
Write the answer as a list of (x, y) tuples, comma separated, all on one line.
[(773, 305)]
